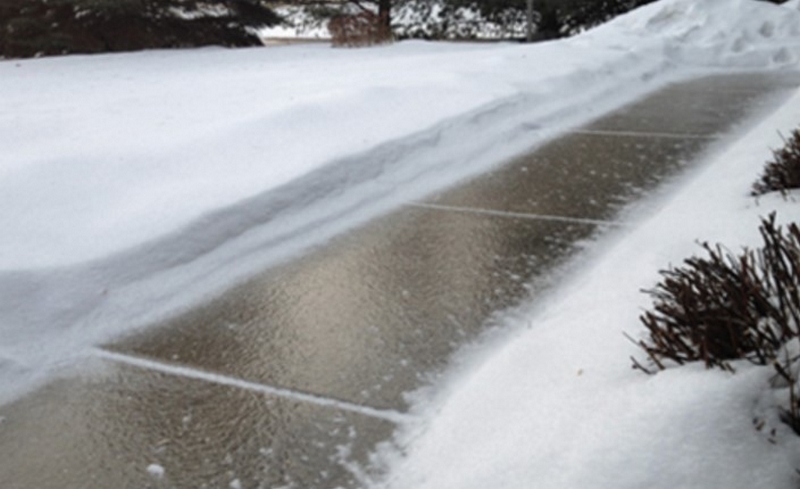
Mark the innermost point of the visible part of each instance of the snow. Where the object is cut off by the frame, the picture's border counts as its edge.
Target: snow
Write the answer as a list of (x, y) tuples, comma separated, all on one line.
[(701, 33), (135, 185), (792, 4), (155, 470), (130, 147)]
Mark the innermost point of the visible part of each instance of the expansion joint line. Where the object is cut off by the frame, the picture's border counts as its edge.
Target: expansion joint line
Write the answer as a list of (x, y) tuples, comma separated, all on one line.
[(646, 134), (219, 379), (517, 215)]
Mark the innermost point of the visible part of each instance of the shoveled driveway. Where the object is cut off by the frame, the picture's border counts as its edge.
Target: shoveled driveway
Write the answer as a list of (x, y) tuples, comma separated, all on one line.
[(291, 379)]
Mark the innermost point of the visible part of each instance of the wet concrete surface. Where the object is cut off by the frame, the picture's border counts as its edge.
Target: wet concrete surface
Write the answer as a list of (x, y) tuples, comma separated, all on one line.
[(579, 175), (105, 429), (594, 171), (290, 379), (366, 318), (703, 107)]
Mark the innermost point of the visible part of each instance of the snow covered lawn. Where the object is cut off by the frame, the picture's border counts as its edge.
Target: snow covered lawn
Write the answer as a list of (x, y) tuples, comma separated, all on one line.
[(135, 185)]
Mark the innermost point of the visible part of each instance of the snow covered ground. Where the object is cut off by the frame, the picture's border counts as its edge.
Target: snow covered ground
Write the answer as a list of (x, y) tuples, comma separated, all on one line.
[(133, 186)]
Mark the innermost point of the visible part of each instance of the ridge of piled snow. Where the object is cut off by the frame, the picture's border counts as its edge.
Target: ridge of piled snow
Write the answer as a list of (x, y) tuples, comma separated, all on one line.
[(731, 33)]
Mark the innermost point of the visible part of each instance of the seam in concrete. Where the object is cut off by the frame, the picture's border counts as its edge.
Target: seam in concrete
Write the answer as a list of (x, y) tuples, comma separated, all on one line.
[(645, 134), (734, 91), (517, 215), (196, 374)]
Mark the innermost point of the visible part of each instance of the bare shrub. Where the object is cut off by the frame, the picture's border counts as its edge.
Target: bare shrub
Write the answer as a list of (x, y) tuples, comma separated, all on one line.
[(788, 368), (783, 172), (362, 29), (727, 307)]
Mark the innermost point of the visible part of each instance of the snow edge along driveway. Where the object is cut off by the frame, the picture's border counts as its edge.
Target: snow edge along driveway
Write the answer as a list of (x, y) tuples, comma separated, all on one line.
[(558, 405)]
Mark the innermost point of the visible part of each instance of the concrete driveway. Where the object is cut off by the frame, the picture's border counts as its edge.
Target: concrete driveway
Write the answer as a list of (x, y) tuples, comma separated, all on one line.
[(291, 379)]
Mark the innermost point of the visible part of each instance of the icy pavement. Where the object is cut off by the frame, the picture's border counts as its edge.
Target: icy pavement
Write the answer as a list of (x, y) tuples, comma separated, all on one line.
[(292, 378)]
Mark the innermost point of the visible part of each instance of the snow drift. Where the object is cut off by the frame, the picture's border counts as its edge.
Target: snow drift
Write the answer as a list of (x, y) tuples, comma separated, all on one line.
[(737, 33)]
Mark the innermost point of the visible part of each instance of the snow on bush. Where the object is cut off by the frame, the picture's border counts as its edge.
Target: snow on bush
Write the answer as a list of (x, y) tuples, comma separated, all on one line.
[(436, 20), (783, 171), (421, 20), (727, 307)]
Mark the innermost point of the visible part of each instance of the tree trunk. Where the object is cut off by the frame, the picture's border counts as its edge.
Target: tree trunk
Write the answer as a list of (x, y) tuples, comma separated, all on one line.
[(385, 13)]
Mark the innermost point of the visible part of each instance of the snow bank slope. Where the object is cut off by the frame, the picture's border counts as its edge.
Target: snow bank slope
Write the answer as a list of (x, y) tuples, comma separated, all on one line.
[(106, 152), (730, 33)]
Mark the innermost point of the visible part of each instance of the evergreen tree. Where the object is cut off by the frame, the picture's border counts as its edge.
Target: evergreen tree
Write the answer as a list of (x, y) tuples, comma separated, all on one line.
[(45, 27), (579, 15), (554, 18), (323, 9)]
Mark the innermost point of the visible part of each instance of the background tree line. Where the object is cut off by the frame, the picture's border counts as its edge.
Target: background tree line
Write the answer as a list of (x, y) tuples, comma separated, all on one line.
[(436, 18), (46, 27)]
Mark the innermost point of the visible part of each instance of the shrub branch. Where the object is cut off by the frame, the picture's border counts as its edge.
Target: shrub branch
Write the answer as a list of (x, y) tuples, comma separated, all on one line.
[(783, 172), (723, 307)]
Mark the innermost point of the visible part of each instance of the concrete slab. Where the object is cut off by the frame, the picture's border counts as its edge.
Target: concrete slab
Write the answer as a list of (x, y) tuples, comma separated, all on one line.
[(117, 426), (707, 106), (369, 316), (604, 173), (623, 155)]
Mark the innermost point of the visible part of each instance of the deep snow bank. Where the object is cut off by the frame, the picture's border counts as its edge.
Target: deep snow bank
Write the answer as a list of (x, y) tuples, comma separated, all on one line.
[(730, 33), (131, 185)]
